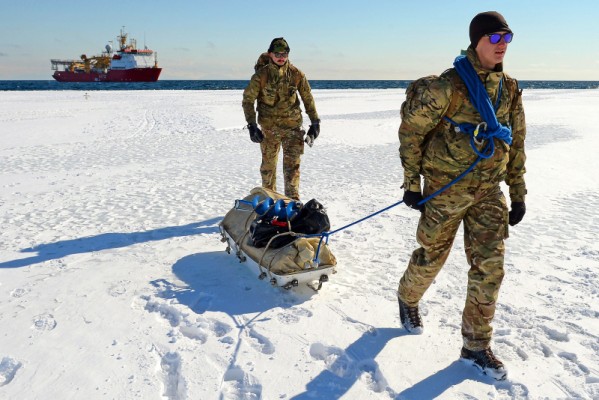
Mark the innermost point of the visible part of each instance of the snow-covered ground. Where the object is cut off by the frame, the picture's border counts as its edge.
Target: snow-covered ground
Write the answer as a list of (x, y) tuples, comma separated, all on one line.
[(114, 283)]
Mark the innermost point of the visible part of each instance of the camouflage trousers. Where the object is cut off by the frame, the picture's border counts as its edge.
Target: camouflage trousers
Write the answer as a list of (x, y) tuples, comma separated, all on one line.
[(292, 141), (485, 215)]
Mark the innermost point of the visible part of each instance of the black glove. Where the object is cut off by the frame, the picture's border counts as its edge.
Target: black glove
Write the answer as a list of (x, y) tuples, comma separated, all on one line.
[(517, 212), (313, 132), (255, 133), (411, 199)]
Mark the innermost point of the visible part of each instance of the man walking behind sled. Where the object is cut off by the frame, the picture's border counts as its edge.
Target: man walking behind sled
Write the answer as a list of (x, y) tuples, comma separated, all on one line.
[(276, 85), (431, 146)]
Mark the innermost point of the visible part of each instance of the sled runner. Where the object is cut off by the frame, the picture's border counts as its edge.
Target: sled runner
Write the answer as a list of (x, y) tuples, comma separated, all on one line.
[(271, 234)]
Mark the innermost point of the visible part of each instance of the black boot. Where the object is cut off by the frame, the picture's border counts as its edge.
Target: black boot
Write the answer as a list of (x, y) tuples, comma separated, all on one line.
[(486, 361), (410, 318)]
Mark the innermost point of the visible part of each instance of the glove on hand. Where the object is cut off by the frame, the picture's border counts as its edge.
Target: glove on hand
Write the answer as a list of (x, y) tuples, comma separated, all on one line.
[(255, 133), (313, 132), (411, 199), (517, 212)]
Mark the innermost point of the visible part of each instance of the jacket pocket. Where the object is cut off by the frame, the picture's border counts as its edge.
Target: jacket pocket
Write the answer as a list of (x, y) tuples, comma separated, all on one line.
[(268, 95)]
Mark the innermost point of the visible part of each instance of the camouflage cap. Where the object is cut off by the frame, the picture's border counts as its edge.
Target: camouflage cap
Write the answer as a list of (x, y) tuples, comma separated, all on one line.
[(278, 45)]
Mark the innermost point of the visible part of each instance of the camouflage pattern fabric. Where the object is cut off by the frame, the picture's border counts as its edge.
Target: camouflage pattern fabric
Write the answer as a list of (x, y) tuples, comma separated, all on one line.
[(483, 209), (293, 147), (277, 91), (447, 152), (477, 200), (280, 45)]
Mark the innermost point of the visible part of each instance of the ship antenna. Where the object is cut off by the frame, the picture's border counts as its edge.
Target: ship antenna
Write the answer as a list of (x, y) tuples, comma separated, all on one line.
[(123, 38)]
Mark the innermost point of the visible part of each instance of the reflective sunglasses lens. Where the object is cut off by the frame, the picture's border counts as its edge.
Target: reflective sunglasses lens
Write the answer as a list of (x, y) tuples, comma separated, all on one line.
[(494, 38), (281, 55), (508, 37)]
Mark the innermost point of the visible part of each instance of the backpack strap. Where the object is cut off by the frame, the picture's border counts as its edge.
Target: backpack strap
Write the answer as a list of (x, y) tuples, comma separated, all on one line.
[(456, 95)]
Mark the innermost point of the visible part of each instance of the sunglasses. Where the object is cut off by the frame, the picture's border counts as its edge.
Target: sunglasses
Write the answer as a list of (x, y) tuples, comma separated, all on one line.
[(495, 38), (281, 55)]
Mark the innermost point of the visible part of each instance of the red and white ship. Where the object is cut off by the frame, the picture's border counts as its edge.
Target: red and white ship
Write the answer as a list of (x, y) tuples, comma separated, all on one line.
[(128, 64)]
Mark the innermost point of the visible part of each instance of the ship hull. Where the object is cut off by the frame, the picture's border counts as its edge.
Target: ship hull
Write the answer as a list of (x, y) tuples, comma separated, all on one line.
[(123, 75)]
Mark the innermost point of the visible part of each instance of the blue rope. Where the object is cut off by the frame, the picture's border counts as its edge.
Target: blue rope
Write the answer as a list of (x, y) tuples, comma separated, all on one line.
[(327, 234), (481, 101)]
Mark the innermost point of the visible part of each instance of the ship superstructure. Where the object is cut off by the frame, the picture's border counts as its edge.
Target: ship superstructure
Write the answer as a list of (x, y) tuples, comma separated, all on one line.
[(127, 64)]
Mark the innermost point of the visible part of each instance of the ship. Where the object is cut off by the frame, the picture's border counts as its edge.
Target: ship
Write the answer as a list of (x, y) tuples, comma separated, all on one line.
[(127, 64)]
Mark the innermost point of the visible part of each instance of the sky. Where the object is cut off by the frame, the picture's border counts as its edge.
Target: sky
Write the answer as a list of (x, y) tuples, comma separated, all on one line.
[(349, 39)]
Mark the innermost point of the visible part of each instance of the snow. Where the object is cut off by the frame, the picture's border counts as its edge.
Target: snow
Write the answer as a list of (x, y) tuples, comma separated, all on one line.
[(114, 282)]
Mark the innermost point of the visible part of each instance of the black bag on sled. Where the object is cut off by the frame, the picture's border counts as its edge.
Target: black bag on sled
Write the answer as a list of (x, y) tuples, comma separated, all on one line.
[(311, 219)]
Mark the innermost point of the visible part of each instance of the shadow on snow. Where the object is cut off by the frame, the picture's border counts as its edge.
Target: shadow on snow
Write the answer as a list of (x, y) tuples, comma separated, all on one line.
[(218, 282), (105, 241), (362, 354)]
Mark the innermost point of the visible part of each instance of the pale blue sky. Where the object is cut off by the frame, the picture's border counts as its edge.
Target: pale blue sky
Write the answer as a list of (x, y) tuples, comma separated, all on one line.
[(348, 39)]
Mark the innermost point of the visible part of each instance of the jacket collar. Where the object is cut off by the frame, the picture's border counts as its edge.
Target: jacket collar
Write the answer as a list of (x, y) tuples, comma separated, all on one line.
[(473, 57)]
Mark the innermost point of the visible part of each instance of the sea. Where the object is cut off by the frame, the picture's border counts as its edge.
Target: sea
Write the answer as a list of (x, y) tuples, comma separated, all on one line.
[(241, 84)]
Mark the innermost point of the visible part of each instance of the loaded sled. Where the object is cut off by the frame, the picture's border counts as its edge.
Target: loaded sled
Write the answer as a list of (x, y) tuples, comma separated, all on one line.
[(276, 237)]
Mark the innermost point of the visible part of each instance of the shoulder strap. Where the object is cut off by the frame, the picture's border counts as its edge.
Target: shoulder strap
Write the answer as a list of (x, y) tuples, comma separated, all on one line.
[(455, 101), (457, 96)]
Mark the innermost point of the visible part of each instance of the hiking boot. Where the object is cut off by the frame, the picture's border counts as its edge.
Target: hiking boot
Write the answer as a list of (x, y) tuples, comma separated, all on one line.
[(410, 318), (486, 361)]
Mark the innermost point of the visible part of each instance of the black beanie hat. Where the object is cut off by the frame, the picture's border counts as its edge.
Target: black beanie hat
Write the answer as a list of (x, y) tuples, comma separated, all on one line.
[(485, 23)]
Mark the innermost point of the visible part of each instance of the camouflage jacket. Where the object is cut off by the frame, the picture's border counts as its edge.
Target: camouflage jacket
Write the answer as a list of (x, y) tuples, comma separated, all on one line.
[(276, 89), (431, 147)]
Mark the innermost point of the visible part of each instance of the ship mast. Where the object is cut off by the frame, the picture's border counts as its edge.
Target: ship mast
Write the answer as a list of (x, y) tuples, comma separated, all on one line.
[(122, 38)]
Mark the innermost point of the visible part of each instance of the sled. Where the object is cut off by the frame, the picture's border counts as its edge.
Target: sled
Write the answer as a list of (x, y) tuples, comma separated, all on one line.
[(304, 261)]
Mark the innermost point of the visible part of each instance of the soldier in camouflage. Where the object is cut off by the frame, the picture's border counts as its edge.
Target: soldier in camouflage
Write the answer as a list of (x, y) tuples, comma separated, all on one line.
[(276, 85), (431, 147)]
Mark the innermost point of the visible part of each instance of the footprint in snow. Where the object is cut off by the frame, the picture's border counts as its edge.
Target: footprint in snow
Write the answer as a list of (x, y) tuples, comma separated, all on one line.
[(260, 342), (350, 368), (8, 369), (237, 384), (44, 322), (19, 292), (572, 364), (174, 384), (202, 303), (119, 288), (219, 328), (294, 315)]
